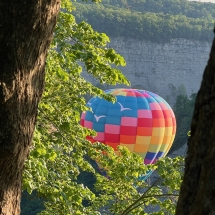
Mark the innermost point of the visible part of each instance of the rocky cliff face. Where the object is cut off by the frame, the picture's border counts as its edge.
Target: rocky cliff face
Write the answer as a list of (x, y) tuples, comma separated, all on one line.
[(166, 69)]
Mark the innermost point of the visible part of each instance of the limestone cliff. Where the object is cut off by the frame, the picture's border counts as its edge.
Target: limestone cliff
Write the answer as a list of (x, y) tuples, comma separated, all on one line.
[(166, 69)]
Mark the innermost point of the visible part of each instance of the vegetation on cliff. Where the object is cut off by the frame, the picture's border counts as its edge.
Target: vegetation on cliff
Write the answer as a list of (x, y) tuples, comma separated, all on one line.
[(154, 20), (183, 109)]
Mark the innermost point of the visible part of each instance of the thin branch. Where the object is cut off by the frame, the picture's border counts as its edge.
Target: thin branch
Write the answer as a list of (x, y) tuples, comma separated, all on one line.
[(140, 198), (161, 195), (115, 209), (145, 197), (49, 120)]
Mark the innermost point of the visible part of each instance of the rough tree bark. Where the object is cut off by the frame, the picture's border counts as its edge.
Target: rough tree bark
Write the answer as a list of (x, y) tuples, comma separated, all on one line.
[(26, 30), (197, 194)]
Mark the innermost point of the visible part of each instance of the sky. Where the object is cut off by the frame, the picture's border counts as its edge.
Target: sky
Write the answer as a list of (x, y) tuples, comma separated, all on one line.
[(212, 1)]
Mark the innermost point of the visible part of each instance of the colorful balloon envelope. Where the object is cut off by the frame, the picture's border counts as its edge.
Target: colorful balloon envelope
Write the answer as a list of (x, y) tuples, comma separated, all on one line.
[(139, 120)]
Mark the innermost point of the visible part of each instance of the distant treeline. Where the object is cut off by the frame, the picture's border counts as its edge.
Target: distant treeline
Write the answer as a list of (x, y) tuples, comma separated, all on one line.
[(174, 7), (154, 20)]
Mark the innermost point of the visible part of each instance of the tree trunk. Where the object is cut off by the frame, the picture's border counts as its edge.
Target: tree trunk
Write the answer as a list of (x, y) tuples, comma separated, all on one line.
[(26, 30), (197, 194)]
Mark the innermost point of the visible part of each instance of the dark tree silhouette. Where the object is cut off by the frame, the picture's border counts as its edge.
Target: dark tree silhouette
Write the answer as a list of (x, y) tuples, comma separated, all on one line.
[(197, 194)]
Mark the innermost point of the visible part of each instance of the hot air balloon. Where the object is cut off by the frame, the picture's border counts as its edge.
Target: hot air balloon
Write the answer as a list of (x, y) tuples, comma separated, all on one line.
[(139, 120)]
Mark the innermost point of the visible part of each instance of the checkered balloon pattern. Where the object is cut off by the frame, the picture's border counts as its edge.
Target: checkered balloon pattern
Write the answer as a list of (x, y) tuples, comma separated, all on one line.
[(140, 120)]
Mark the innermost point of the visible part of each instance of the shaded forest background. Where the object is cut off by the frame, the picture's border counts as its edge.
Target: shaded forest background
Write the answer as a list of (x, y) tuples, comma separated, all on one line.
[(153, 20)]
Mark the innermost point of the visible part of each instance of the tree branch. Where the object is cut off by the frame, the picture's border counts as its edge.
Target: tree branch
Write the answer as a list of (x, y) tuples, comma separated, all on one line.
[(140, 198)]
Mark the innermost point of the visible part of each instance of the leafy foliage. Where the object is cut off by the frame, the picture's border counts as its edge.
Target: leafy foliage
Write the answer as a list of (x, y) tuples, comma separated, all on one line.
[(60, 151), (157, 21), (125, 194)]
